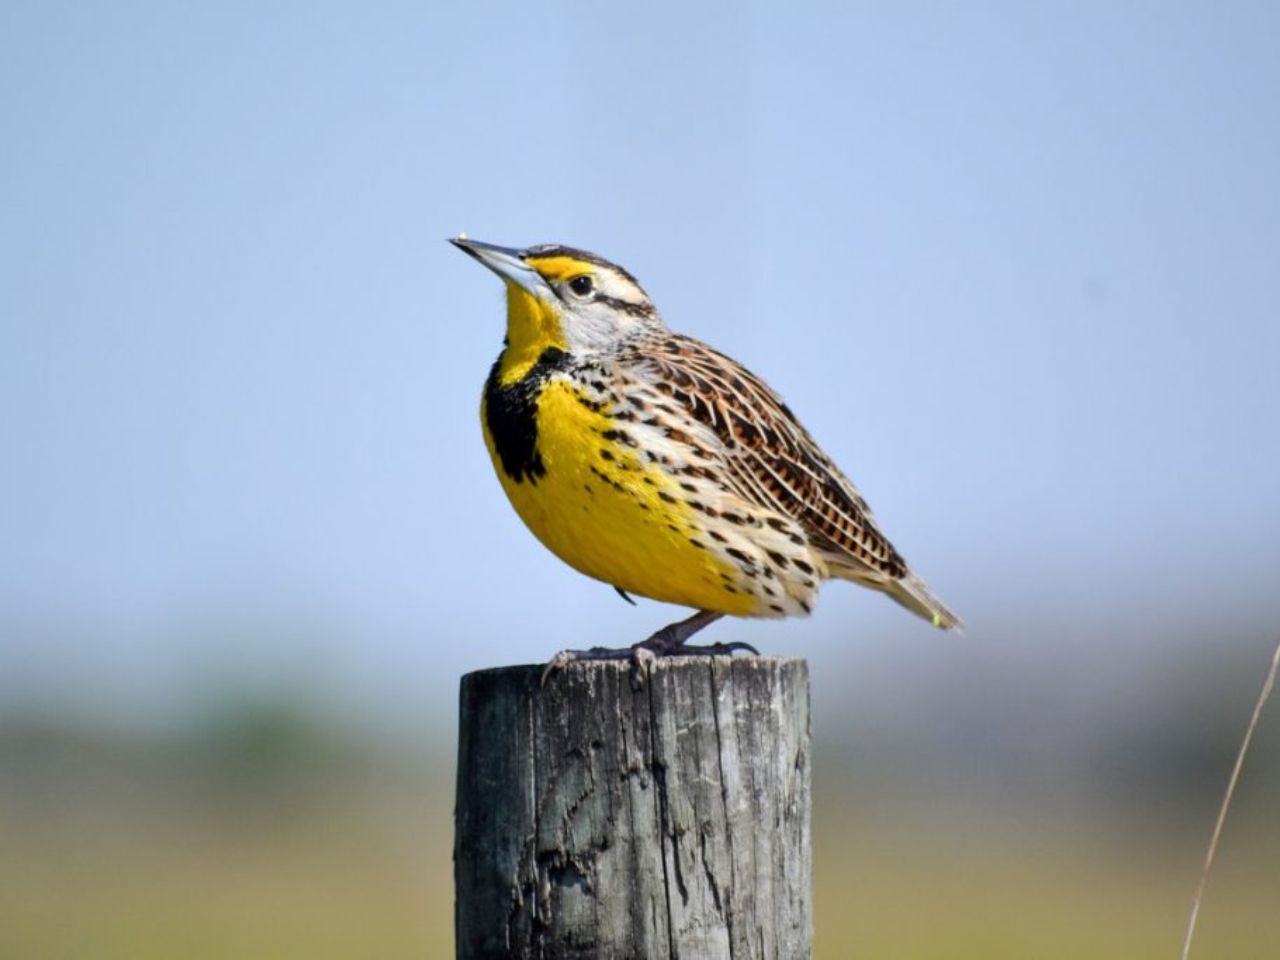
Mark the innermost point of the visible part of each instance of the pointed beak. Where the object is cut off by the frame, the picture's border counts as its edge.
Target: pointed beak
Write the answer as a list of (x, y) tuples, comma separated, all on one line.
[(507, 263)]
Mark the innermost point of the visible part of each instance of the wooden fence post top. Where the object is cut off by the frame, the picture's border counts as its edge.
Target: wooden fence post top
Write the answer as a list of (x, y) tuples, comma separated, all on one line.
[(600, 817), (594, 668)]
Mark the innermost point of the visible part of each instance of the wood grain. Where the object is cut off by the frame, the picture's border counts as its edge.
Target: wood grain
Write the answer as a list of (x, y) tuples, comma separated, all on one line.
[(606, 815)]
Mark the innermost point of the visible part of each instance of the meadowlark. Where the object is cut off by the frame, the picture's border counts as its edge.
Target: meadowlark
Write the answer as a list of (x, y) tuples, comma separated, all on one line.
[(649, 461)]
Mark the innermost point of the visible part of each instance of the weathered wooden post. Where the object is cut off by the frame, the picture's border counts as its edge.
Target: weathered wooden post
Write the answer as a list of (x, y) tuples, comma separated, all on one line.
[(601, 819)]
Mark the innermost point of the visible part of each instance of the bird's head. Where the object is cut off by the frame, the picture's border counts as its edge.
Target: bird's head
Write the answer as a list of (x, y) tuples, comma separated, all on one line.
[(564, 298)]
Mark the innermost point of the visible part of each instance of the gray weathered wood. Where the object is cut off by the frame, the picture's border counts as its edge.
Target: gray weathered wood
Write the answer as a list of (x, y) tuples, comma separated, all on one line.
[(600, 820)]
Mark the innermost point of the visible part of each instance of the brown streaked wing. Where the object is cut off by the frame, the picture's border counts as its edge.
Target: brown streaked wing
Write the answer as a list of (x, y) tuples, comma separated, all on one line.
[(773, 460)]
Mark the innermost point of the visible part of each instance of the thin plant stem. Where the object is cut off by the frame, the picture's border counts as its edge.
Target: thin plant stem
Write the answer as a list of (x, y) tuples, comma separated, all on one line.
[(1226, 801)]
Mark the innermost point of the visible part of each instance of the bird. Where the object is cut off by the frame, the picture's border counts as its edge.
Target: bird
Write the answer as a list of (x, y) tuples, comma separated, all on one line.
[(652, 462)]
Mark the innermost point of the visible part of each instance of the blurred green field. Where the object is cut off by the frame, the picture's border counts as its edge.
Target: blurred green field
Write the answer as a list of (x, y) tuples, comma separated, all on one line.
[(921, 891), (264, 841), (268, 840)]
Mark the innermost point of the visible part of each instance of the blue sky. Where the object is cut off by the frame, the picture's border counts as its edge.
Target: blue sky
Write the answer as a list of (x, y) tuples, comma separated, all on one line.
[(1016, 266)]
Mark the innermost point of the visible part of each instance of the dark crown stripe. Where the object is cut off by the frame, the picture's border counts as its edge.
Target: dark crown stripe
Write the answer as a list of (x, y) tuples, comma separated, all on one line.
[(558, 250)]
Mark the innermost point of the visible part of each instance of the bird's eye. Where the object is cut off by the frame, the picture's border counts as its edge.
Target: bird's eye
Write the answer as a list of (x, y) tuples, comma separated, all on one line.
[(582, 286)]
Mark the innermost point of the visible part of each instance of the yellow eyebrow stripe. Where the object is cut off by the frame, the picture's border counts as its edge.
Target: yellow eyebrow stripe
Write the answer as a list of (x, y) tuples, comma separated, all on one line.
[(560, 268)]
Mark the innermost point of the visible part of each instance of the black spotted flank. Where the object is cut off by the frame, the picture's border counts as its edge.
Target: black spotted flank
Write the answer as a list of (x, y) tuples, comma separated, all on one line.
[(511, 414)]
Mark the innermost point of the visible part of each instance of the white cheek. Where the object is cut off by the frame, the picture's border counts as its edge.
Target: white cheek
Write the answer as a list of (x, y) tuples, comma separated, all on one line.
[(593, 329)]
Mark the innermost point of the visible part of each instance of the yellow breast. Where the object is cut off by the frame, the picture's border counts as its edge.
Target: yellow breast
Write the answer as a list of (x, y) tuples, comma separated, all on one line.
[(600, 504)]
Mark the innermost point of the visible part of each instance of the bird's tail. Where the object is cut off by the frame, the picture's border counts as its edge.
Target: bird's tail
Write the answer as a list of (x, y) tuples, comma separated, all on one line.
[(911, 592)]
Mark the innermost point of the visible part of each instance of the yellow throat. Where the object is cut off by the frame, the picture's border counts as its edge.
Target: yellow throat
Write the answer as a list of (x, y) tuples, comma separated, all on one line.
[(533, 325)]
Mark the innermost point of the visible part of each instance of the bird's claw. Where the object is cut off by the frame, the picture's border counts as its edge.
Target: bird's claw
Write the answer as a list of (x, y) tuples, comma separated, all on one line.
[(557, 663), (720, 649)]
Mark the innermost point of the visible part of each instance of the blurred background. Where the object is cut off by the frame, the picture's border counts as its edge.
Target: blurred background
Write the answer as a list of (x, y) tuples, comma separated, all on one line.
[(1016, 266)]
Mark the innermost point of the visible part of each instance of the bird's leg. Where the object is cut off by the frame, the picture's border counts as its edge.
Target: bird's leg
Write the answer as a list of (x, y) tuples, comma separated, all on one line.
[(667, 642), (672, 639)]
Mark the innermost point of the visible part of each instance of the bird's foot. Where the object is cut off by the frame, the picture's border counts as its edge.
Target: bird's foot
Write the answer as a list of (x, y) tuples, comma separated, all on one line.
[(702, 650), (566, 657), (667, 642)]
